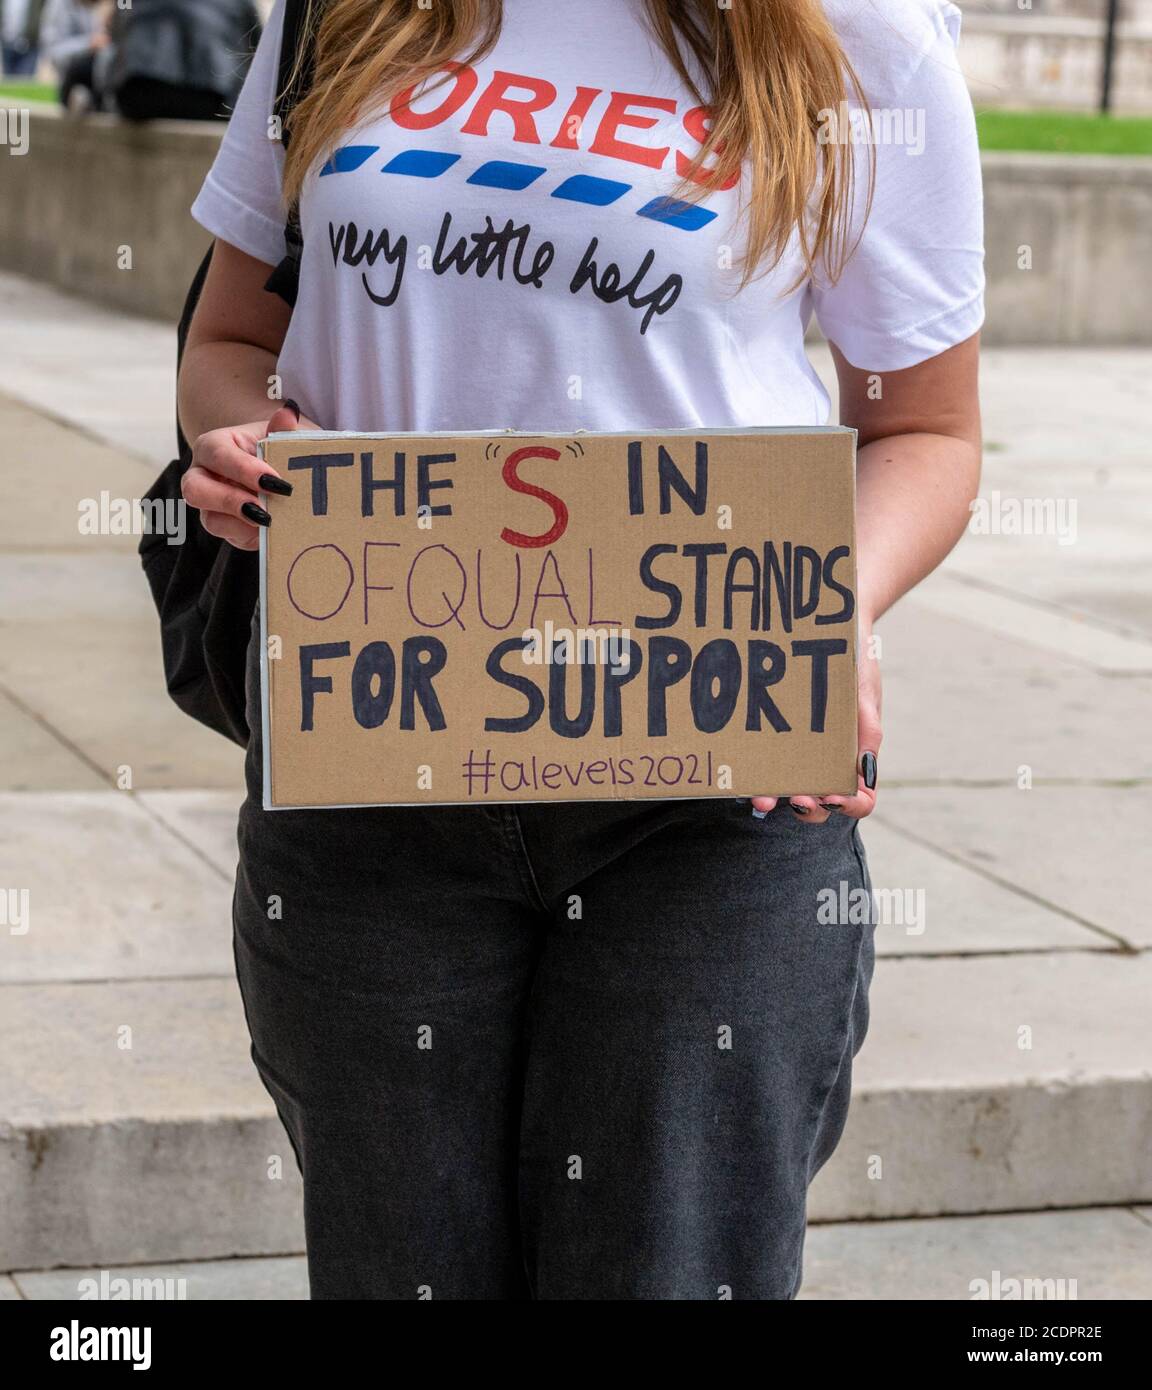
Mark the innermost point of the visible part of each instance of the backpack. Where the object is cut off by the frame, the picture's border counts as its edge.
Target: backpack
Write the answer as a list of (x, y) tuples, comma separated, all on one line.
[(205, 590), (181, 58)]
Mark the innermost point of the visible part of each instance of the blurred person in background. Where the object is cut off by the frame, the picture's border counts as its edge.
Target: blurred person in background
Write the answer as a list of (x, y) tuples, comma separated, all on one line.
[(75, 41), (19, 36), (181, 59)]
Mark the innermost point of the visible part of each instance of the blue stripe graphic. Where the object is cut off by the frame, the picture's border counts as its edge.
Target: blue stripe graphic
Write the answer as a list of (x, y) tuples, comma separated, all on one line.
[(347, 158), (583, 188), (499, 173), (420, 164), (675, 213), (508, 174)]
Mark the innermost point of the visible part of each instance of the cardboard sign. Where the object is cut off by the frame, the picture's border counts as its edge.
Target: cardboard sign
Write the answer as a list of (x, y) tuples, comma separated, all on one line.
[(513, 617)]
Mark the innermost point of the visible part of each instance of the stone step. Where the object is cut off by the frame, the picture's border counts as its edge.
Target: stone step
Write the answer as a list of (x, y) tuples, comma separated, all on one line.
[(1007, 1066), (134, 1128), (998, 1083)]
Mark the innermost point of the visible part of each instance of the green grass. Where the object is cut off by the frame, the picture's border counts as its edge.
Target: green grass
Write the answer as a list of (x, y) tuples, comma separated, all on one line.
[(1065, 132), (28, 91)]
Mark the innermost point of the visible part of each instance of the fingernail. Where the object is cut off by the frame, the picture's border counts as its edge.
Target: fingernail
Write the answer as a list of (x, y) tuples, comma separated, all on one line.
[(269, 482), (291, 405), (831, 806), (868, 768), (759, 815), (256, 514), (800, 810)]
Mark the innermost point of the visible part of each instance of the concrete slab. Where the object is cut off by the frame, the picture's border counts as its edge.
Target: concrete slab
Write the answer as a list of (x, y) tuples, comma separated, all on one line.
[(1002, 1083), (1079, 439), (1105, 585), (925, 1261), (1079, 639), (111, 1154), (9, 1293), (32, 756), (1107, 594), (1076, 849), (1089, 513), (120, 370), (965, 705), (1107, 1252), (1043, 405), (250, 1281), (49, 470), (202, 818), (80, 643), (185, 1054), (112, 894), (954, 1022), (1086, 516), (956, 911)]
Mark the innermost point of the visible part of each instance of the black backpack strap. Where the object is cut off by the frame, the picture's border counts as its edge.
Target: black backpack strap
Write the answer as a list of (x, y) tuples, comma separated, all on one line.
[(300, 19), (285, 279), (291, 84), (191, 300)]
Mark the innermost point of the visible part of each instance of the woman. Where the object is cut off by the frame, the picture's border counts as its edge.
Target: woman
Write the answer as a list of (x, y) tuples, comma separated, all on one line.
[(75, 38), (598, 1050), (20, 37), (181, 60)]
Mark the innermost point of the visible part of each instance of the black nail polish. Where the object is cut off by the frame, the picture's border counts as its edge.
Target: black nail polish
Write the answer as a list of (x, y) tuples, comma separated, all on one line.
[(269, 482), (256, 514), (868, 768), (291, 405), (831, 806), (800, 810)]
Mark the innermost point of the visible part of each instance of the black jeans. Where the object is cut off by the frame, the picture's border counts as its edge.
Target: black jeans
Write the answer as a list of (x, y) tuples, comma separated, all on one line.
[(580, 1051)]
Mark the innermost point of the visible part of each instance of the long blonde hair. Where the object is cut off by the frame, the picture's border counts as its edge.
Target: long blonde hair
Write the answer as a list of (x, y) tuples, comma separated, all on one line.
[(775, 69)]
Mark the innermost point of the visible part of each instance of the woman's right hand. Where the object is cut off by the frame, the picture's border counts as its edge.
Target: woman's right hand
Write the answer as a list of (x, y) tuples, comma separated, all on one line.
[(225, 476)]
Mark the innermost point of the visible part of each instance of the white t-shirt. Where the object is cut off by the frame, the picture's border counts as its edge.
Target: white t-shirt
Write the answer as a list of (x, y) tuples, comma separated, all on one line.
[(506, 254)]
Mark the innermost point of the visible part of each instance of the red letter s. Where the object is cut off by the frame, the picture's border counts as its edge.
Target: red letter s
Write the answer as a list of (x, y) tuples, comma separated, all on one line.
[(559, 510)]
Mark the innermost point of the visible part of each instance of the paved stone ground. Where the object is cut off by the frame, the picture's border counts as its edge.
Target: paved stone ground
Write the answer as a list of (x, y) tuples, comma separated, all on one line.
[(1100, 1254), (1010, 1064)]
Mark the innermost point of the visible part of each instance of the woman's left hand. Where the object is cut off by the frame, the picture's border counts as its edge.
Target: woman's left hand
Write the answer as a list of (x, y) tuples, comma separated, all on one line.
[(815, 810)]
